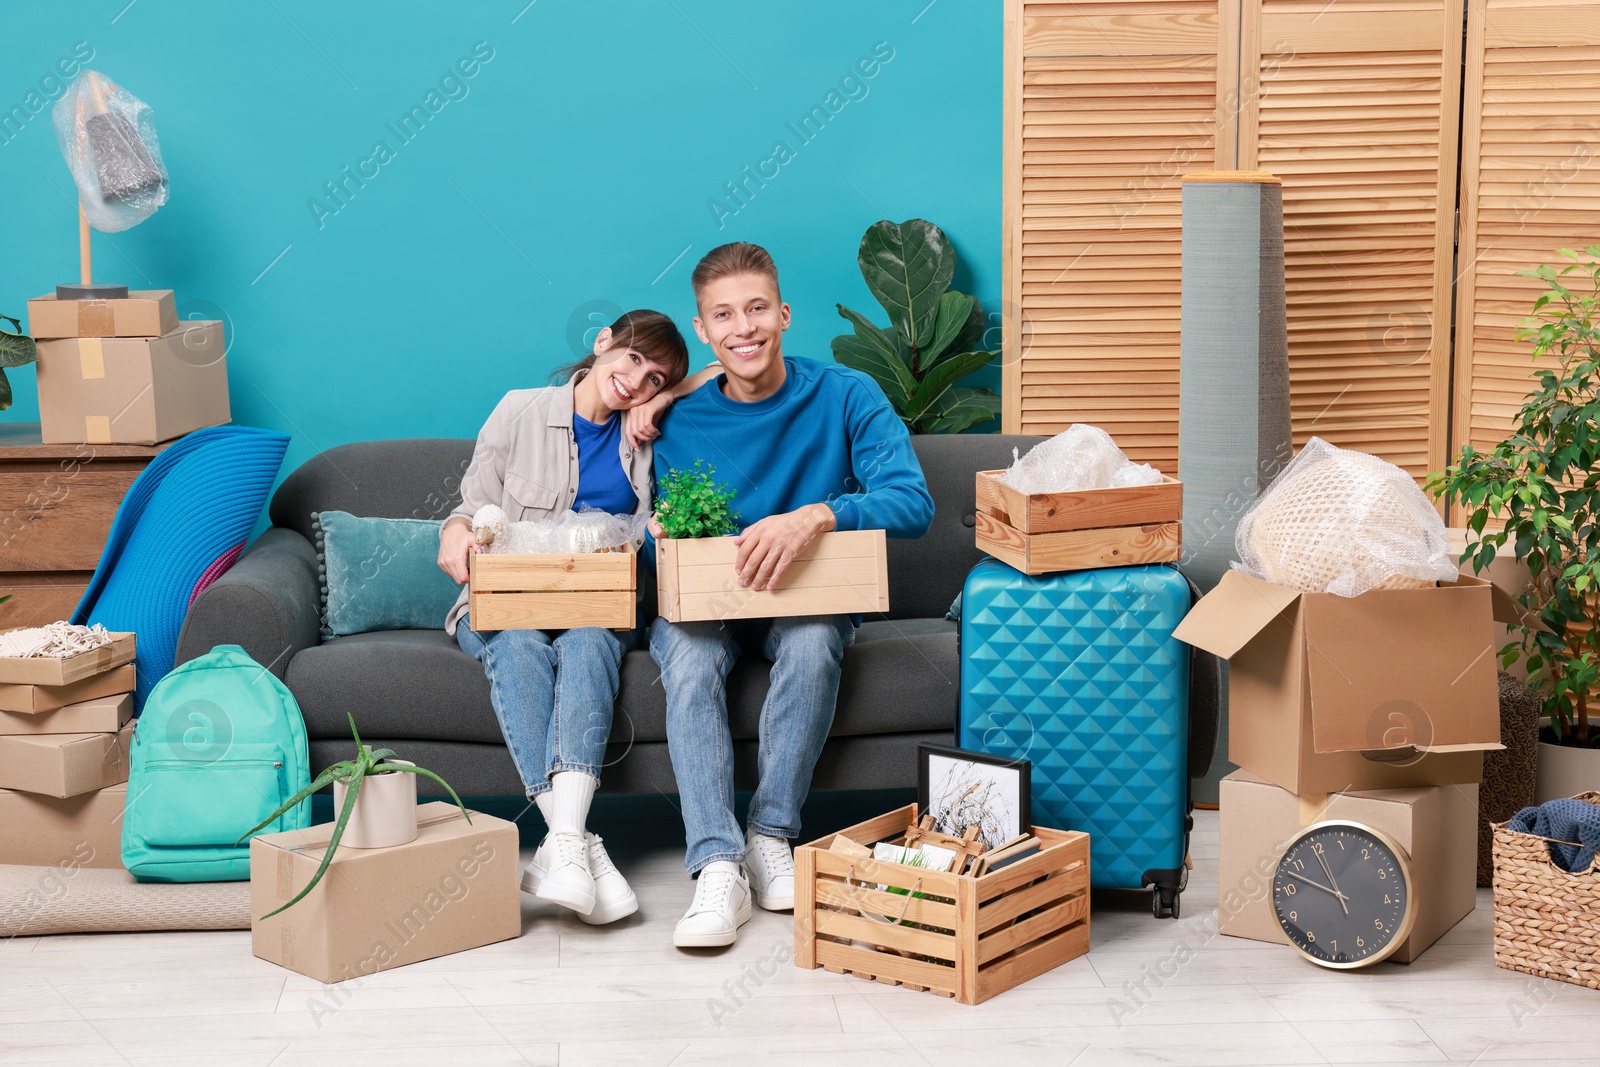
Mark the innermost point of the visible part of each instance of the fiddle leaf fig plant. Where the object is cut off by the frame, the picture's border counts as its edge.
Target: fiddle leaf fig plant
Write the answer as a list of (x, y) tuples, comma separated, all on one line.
[(16, 350), (350, 774), (691, 503), (933, 336), (1542, 481)]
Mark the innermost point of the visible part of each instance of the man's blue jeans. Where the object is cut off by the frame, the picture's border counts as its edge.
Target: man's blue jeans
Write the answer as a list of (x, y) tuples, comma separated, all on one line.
[(553, 692), (695, 658)]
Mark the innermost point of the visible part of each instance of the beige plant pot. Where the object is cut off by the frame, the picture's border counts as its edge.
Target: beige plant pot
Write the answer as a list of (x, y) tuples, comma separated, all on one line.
[(385, 812), (1565, 772)]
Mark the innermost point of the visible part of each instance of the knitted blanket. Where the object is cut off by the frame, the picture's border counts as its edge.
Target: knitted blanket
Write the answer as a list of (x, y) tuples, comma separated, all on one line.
[(1565, 820)]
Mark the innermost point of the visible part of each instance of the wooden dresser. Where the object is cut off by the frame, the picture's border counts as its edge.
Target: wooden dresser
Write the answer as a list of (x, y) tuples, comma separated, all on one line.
[(56, 507)]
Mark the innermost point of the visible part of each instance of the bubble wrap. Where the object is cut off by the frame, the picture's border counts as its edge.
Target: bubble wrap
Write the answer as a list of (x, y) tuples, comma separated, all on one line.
[(1080, 457), (1343, 522), (109, 141), (573, 532)]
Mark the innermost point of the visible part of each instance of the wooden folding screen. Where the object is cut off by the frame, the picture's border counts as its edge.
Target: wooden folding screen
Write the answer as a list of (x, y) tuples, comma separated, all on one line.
[(1354, 105), (1107, 104), (1530, 183), (1356, 111)]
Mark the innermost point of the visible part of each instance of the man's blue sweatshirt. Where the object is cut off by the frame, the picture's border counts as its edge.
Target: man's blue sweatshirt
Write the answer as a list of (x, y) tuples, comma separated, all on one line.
[(828, 435)]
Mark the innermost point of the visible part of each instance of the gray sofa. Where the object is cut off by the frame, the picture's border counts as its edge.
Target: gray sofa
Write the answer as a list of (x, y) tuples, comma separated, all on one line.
[(416, 692)]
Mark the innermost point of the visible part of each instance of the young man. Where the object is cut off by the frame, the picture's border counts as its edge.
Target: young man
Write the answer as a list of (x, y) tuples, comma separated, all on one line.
[(810, 447)]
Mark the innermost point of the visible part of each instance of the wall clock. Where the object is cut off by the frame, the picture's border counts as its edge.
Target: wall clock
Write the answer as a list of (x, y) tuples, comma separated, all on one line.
[(1343, 895)]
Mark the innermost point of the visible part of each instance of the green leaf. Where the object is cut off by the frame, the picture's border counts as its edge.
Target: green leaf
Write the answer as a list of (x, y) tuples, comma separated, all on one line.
[(960, 409), (970, 339), (939, 381), (873, 351), (5, 391), (352, 791), (907, 266), (16, 350), (955, 310), (338, 771)]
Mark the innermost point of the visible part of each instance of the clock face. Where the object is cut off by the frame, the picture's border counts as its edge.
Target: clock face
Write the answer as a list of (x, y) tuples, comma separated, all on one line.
[(1342, 894)]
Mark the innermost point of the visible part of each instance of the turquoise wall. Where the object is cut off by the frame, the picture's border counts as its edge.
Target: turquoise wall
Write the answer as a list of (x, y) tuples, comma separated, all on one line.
[(582, 167)]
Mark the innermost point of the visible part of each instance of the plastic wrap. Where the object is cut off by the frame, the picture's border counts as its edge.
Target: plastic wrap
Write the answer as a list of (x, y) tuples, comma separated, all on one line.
[(1343, 522), (571, 532), (1080, 457), (109, 141)]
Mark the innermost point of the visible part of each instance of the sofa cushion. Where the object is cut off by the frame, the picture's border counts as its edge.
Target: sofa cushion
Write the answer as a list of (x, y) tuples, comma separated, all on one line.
[(380, 574), (898, 676)]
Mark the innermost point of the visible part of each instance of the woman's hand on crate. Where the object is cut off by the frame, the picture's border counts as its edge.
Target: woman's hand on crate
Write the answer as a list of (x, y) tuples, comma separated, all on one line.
[(456, 544)]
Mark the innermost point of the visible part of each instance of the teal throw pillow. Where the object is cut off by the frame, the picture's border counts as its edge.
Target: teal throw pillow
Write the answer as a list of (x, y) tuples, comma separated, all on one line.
[(380, 574)]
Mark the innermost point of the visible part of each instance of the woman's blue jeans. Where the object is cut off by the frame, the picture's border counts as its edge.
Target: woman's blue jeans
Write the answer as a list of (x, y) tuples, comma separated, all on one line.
[(553, 692)]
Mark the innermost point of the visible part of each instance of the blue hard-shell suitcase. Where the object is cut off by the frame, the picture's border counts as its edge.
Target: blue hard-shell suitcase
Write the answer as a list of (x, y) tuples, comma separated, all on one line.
[(1080, 673)]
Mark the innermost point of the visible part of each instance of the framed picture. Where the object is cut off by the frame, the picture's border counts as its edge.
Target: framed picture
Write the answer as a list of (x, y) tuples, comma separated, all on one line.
[(960, 789)]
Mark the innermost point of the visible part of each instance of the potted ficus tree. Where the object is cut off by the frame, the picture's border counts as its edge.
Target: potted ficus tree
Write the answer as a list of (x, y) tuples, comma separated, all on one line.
[(934, 337), (1541, 482), (375, 795)]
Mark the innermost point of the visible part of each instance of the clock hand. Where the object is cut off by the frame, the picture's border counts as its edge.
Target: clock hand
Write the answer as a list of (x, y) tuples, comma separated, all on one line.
[(1343, 900), (1319, 885)]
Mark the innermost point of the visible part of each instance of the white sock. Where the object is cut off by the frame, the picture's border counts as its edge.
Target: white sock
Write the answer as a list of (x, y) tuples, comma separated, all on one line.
[(570, 794), (546, 806), (725, 866)]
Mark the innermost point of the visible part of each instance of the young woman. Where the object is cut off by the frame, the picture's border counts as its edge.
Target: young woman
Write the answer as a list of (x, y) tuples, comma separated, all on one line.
[(543, 452)]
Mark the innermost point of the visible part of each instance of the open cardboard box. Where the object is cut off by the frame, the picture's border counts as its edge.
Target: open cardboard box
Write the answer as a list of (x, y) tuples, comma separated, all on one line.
[(56, 671), (1392, 688)]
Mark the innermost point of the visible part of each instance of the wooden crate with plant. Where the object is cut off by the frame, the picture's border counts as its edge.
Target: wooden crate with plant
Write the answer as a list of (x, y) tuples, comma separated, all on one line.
[(957, 935), (838, 573)]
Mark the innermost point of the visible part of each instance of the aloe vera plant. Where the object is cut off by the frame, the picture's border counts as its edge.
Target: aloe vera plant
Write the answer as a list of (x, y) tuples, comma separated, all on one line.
[(350, 774)]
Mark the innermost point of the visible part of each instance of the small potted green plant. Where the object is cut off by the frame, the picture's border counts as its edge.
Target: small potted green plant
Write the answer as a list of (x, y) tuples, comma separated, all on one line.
[(16, 350), (692, 503), (934, 336), (373, 821), (1543, 483)]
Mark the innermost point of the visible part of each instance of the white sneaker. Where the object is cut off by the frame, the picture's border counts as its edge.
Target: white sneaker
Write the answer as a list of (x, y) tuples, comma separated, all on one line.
[(560, 872), (769, 863), (613, 897), (721, 905)]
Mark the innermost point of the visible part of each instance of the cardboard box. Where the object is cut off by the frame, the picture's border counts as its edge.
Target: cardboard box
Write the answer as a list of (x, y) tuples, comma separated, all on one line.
[(531, 591), (33, 699), (1389, 689), (83, 831), (453, 888), (64, 765), (1436, 825), (133, 390), (65, 670), (843, 572), (100, 715), (143, 313)]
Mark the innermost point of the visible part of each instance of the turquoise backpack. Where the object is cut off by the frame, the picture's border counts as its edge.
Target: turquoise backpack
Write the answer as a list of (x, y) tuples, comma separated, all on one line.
[(219, 744)]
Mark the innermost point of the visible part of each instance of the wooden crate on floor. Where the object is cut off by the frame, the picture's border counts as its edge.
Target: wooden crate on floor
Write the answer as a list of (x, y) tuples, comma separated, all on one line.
[(1044, 533), (528, 591), (844, 572), (965, 937)]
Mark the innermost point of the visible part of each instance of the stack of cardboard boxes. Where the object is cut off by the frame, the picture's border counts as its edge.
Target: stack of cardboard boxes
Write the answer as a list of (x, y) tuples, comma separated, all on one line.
[(65, 728), (126, 371), (1375, 709)]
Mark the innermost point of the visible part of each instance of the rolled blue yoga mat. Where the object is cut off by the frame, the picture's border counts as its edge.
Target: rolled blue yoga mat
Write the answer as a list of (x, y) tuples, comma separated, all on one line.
[(1233, 393)]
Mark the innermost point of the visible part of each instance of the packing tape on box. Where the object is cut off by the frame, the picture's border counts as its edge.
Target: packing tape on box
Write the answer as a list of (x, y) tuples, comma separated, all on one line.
[(91, 358), (1313, 807), (97, 429), (285, 888), (94, 318)]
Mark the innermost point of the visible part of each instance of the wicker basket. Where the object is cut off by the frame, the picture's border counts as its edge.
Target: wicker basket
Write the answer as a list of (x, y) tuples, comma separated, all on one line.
[(1546, 920)]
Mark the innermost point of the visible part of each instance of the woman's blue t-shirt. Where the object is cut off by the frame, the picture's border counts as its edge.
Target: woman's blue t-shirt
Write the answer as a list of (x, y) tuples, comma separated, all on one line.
[(602, 483)]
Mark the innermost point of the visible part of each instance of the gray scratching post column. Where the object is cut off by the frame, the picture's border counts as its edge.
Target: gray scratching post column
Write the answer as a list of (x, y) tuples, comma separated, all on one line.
[(1233, 393)]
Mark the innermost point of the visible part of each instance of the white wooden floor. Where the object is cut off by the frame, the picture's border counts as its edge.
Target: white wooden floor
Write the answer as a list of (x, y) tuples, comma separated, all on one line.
[(568, 994)]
